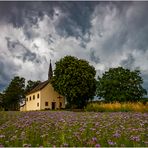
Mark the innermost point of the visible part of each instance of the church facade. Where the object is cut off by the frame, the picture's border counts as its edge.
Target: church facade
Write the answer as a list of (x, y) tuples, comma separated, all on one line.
[(43, 97)]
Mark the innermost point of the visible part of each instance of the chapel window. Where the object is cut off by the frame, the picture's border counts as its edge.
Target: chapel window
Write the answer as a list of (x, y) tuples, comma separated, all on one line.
[(38, 96), (46, 103)]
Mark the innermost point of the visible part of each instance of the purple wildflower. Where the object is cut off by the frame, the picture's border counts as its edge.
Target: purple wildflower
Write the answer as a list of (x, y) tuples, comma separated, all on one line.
[(97, 145), (116, 135), (135, 138), (111, 143), (1, 146), (94, 139), (2, 136)]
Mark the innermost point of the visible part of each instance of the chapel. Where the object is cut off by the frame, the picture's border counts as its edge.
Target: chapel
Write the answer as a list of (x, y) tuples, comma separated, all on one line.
[(43, 96)]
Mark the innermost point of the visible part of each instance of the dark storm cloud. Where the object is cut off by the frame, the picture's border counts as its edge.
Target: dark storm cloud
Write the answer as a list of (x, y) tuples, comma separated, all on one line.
[(18, 13), (77, 17)]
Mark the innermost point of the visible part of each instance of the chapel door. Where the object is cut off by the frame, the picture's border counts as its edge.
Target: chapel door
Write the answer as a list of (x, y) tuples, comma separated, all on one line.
[(53, 105)]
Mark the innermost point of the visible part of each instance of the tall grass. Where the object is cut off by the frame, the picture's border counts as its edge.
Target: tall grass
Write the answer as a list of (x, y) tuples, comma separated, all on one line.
[(116, 106)]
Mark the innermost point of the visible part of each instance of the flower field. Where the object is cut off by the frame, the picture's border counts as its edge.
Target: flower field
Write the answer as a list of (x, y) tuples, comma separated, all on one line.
[(73, 129)]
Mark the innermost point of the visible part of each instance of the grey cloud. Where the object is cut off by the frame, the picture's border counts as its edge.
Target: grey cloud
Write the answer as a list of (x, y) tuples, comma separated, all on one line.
[(78, 17), (7, 70), (21, 52), (129, 62), (49, 39), (18, 13), (132, 29), (93, 57)]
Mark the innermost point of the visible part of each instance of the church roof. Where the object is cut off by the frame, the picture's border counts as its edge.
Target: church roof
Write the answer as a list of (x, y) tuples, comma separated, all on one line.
[(39, 87)]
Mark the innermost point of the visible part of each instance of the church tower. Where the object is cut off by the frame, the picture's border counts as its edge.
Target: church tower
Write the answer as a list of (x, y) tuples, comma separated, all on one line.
[(50, 73)]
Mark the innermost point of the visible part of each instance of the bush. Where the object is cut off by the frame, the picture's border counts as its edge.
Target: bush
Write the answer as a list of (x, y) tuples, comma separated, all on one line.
[(116, 107)]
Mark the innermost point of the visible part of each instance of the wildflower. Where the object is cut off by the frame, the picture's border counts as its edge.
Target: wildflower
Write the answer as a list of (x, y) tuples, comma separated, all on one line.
[(65, 145), (111, 143), (93, 129), (97, 124), (1, 146), (94, 139), (116, 135), (146, 142), (97, 145), (135, 138), (2, 136)]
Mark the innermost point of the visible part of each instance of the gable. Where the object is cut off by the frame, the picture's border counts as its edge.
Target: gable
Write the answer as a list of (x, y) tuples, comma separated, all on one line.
[(39, 87)]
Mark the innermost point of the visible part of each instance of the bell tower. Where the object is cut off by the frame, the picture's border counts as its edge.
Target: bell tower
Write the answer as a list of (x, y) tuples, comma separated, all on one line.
[(50, 73)]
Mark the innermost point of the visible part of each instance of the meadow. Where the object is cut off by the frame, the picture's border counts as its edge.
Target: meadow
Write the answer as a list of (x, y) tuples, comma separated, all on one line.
[(73, 129)]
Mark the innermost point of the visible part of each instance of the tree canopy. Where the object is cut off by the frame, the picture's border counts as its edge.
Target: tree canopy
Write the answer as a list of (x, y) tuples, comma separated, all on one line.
[(30, 85), (119, 84), (14, 93), (75, 79)]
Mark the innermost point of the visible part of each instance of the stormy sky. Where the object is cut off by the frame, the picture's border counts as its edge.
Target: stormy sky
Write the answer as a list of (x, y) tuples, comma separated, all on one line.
[(107, 34)]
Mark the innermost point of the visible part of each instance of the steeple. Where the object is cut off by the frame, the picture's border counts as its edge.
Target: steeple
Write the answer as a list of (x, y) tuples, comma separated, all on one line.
[(50, 73)]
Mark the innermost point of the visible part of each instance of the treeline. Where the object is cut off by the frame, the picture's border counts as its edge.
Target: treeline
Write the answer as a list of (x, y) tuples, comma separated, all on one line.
[(75, 79), (14, 94)]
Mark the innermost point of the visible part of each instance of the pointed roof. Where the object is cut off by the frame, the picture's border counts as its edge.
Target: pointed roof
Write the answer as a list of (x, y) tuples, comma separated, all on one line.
[(50, 73), (39, 87)]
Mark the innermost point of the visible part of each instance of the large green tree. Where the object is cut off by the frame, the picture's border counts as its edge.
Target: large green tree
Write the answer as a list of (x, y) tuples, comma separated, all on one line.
[(119, 84), (14, 94), (30, 85), (75, 79)]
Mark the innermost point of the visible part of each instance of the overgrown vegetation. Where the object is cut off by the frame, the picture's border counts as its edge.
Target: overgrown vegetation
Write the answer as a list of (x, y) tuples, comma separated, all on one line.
[(117, 107)]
